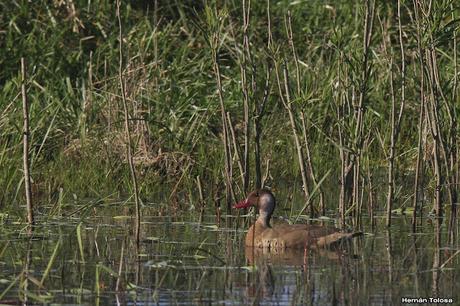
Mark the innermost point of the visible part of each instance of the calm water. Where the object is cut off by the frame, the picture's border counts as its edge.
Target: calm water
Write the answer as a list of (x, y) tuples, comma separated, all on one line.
[(183, 261)]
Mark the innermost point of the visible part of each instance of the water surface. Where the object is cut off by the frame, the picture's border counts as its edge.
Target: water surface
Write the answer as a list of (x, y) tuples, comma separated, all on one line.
[(201, 260)]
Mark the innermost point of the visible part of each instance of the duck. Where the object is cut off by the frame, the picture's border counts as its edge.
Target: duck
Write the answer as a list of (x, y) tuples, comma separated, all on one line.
[(262, 234)]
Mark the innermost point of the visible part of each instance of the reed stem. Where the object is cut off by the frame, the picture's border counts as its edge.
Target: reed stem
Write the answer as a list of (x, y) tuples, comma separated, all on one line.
[(129, 153), (26, 143)]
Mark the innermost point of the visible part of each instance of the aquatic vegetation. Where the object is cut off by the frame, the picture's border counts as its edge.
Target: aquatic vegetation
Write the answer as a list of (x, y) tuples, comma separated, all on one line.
[(149, 120)]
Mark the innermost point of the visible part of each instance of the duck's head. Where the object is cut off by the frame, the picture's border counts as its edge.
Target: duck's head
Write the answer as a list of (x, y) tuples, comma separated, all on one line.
[(263, 200)]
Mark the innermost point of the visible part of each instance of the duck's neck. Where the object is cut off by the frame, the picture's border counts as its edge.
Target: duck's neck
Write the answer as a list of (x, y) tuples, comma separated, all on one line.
[(264, 219)]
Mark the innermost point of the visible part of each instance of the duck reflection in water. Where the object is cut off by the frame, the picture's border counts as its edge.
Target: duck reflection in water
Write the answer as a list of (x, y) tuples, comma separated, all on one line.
[(262, 282), (283, 275)]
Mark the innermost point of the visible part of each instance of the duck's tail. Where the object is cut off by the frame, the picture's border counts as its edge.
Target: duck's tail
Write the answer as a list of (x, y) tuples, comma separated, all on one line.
[(335, 239)]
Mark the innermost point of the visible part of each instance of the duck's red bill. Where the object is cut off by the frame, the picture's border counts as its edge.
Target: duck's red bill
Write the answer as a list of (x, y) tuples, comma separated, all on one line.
[(243, 204)]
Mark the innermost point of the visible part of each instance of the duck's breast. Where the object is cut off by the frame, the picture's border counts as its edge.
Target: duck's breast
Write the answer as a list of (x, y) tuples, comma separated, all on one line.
[(263, 237)]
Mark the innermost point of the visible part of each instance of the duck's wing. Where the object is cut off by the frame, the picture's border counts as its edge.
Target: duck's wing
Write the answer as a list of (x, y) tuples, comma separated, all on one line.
[(306, 235), (335, 239), (315, 231)]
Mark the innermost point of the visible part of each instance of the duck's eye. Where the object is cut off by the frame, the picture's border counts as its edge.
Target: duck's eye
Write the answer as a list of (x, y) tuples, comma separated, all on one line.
[(257, 194)]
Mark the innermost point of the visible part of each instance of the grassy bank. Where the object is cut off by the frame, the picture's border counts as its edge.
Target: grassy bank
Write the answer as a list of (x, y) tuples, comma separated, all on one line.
[(334, 73)]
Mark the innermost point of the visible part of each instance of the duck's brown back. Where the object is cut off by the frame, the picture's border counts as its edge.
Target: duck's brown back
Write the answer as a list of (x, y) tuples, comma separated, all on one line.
[(283, 235)]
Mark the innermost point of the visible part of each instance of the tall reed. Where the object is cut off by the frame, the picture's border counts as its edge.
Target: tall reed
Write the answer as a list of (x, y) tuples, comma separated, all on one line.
[(26, 143), (129, 149)]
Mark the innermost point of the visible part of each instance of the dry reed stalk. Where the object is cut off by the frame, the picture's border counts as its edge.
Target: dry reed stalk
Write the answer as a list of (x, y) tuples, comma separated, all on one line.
[(446, 141), (225, 141), (259, 111), (454, 166), (237, 153), (343, 155), (435, 131), (391, 157), (129, 153), (288, 27), (200, 190), (155, 47), (26, 143), (367, 37), (267, 172), (322, 205), (395, 122), (246, 54), (287, 102), (309, 163), (419, 166)]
